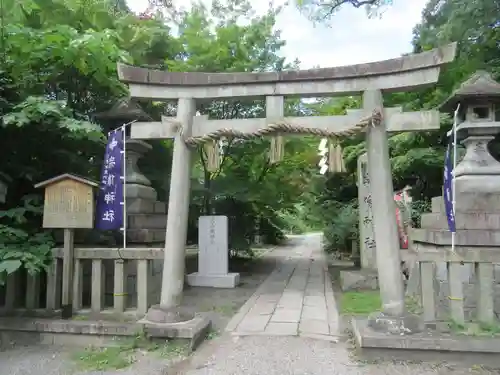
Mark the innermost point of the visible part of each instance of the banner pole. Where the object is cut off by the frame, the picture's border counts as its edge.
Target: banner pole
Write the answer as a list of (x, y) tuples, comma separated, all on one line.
[(124, 161), (123, 129), (453, 181)]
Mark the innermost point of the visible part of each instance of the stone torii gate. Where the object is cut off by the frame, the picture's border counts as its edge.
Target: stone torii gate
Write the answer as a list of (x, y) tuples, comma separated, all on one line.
[(371, 79)]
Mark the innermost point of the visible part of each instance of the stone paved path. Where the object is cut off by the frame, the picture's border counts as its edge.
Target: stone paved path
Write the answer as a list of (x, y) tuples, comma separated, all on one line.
[(295, 300)]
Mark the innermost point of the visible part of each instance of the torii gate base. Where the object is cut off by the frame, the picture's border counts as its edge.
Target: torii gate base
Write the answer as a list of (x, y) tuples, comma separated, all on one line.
[(372, 79)]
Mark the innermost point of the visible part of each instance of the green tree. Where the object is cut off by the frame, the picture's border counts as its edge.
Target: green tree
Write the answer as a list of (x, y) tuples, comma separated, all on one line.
[(323, 10), (246, 187)]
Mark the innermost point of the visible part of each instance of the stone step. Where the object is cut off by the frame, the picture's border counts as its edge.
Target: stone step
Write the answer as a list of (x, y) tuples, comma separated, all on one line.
[(148, 236), (470, 202), (147, 221), (465, 237), (463, 220), (145, 206)]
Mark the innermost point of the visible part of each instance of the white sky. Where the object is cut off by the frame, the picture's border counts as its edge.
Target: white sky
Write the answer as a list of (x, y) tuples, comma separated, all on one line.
[(351, 39)]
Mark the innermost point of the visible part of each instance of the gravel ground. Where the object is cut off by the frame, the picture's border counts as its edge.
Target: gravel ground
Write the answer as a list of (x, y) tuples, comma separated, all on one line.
[(48, 360), (259, 355)]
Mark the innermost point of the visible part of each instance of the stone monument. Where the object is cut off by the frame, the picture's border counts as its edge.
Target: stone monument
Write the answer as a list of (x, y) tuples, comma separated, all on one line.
[(477, 207), (213, 255), (366, 277), (367, 245)]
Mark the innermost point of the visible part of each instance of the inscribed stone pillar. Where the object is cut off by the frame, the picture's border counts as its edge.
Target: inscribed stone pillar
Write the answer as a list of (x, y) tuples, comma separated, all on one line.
[(385, 226), (178, 208), (213, 255), (367, 245)]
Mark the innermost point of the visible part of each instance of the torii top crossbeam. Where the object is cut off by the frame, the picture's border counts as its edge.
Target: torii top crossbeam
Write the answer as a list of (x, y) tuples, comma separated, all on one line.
[(399, 74)]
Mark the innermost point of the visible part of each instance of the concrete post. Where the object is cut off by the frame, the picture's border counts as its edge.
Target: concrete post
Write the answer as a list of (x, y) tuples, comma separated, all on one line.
[(178, 208), (385, 226)]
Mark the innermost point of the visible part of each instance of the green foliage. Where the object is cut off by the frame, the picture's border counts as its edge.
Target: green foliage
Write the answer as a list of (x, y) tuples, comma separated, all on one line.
[(20, 246), (417, 209), (300, 219), (360, 303), (323, 11), (343, 226), (126, 352)]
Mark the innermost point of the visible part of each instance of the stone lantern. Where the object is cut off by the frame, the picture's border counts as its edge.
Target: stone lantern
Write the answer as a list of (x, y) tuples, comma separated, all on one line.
[(479, 124), (477, 199), (123, 111)]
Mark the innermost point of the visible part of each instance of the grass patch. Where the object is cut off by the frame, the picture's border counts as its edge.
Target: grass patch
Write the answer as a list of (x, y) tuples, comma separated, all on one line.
[(102, 359), (360, 303), (173, 349), (125, 352), (474, 329), (369, 301), (212, 334)]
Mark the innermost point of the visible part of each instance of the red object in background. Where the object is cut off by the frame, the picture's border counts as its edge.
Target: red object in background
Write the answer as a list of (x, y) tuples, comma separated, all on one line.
[(403, 236), (148, 13)]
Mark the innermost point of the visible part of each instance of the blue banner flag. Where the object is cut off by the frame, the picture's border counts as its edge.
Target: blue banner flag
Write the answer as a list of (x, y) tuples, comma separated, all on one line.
[(448, 188), (110, 203)]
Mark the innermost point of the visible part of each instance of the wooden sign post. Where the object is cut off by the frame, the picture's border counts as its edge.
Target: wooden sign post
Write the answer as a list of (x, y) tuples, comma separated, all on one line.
[(68, 205)]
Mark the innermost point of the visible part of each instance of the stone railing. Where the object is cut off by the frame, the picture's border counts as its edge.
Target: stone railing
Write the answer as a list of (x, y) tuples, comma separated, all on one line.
[(106, 281), (461, 286)]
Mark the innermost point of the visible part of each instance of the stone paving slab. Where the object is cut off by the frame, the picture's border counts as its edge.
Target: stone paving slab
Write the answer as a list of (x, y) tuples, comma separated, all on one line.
[(282, 328), (295, 300), (286, 315)]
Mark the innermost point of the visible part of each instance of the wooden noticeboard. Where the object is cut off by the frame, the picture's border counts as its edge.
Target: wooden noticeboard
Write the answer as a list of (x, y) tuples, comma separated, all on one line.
[(69, 202), (68, 205)]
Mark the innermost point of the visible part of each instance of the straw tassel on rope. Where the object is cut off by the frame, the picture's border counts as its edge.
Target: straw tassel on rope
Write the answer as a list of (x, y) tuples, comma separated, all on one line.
[(212, 150), (277, 150), (335, 157)]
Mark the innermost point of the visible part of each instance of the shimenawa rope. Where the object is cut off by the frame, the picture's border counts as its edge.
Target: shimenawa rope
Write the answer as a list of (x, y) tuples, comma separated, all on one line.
[(284, 127), (281, 127)]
